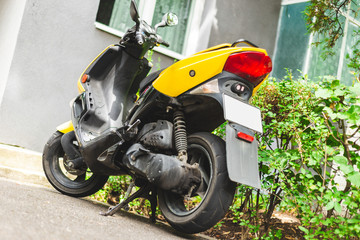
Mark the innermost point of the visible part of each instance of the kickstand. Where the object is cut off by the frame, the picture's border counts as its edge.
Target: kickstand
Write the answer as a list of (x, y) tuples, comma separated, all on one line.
[(147, 191)]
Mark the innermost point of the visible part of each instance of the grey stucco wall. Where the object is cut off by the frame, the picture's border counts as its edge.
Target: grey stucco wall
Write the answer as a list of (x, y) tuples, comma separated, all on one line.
[(56, 41), (253, 20), (11, 12)]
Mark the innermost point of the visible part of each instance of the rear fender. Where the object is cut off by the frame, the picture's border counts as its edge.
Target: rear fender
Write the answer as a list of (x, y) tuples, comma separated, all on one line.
[(242, 159), (65, 127)]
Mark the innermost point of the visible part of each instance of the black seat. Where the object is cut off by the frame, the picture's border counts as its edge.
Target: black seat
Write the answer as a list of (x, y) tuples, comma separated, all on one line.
[(149, 79)]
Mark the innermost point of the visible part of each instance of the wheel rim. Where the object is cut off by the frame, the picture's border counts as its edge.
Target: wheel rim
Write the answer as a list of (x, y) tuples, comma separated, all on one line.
[(185, 205), (64, 177)]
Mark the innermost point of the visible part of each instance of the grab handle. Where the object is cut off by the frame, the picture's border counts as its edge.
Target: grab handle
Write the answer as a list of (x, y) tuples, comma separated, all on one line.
[(243, 41)]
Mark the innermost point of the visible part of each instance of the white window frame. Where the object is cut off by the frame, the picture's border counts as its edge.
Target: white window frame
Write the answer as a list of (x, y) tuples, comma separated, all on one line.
[(146, 12)]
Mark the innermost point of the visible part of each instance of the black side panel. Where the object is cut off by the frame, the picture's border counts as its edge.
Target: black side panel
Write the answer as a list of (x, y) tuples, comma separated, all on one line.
[(202, 113), (113, 79), (94, 149), (149, 79)]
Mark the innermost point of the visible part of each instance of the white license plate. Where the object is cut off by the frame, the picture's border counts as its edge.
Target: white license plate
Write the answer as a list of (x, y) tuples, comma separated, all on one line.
[(242, 113)]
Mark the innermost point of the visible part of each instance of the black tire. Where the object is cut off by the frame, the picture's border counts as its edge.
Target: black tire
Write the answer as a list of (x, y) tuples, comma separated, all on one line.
[(82, 185), (213, 198)]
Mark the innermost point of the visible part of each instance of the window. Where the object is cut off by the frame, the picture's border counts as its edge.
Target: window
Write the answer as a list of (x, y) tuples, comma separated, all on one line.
[(113, 16), (292, 40), (294, 49)]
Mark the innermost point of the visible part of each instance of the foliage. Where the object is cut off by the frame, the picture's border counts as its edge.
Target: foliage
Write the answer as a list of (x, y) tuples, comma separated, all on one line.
[(325, 17), (311, 136)]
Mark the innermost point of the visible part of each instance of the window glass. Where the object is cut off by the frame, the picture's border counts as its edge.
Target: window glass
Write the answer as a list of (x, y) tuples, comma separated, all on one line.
[(175, 35), (105, 7), (347, 74), (355, 9), (116, 15), (120, 15), (292, 42), (318, 66)]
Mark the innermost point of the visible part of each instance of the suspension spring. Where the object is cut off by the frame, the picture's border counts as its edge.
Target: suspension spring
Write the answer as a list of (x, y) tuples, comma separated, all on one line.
[(180, 135)]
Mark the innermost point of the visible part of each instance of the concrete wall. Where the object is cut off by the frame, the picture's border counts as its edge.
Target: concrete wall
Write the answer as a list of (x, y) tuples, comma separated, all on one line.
[(11, 12), (56, 41), (255, 21)]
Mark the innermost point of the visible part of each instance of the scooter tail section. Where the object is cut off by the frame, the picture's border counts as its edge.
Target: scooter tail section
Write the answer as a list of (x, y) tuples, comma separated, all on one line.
[(65, 127)]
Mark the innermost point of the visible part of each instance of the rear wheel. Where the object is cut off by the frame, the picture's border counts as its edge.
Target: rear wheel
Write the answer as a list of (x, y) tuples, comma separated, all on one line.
[(207, 204), (77, 183)]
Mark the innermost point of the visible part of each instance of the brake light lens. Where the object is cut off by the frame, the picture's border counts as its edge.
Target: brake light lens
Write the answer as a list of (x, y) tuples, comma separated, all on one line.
[(252, 66)]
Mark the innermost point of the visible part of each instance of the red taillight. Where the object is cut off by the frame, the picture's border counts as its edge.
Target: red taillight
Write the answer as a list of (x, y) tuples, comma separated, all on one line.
[(252, 66), (245, 137)]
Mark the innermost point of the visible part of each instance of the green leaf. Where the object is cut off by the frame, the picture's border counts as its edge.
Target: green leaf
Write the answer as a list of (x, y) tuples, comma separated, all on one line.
[(355, 90), (341, 160), (354, 178), (323, 93), (346, 169), (305, 230), (337, 207), (330, 205), (335, 83)]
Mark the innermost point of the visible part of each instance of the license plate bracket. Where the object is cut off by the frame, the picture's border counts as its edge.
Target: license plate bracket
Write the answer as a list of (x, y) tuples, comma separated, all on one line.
[(242, 113)]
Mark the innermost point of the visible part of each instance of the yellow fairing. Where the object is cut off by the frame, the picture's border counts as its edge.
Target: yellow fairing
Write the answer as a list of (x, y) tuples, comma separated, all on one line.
[(65, 127), (192, 71), (81, 89)]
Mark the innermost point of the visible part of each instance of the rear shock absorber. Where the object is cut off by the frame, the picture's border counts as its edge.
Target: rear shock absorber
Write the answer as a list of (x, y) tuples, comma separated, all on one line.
[(180, 135)]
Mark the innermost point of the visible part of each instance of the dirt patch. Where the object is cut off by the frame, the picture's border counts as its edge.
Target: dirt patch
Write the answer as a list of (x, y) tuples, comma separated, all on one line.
[(287, 224)]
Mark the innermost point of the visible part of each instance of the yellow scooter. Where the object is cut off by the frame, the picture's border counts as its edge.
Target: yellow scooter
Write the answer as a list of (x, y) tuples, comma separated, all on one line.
[(162, 138)]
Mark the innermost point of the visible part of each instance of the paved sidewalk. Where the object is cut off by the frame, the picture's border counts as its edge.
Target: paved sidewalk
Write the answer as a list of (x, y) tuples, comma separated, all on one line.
[(21, 165), (25, 166)]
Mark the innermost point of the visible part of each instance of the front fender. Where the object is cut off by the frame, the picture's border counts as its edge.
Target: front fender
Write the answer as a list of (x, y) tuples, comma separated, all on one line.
[(242, 159), (65, 127)]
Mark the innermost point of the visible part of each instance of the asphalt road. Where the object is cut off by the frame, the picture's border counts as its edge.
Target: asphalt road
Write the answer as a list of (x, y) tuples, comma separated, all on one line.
[(34, 212)]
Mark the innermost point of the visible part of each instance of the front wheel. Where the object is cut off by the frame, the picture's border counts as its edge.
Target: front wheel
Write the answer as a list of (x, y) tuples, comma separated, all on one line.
[(81, 184), (206, 205)]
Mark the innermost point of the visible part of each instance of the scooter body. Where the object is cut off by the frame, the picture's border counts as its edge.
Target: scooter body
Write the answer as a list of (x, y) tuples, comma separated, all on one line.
[(157, 127)]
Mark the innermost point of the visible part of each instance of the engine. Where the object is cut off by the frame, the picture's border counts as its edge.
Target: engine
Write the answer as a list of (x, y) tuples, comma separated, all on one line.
[(165, 171)]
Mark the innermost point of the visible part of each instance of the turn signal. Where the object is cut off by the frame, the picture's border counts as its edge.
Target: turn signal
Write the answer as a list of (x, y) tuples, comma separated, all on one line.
[(252, 66), (84, 78), (245, 137)]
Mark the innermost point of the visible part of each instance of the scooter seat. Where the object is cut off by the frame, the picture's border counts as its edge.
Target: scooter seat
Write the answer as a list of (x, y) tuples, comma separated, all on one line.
[(149, 79)]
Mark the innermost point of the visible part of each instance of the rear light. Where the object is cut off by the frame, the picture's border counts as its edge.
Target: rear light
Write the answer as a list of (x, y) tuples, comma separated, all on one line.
[(245, 137), (209, 87), (252, 66)]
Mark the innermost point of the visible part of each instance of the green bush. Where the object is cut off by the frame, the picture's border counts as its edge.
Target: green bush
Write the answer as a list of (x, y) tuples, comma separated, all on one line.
[(310, 137)]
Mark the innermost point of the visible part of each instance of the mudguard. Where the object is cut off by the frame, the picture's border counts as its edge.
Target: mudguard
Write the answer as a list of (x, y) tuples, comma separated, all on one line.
[(242, 160), (65, 127)]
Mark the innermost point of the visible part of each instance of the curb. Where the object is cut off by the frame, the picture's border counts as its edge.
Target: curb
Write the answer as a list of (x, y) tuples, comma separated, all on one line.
[(22, 165)]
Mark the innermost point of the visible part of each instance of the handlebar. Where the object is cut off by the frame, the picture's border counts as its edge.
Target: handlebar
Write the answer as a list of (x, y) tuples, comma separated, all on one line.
[(165, 43), (144, 33), (162, 42), (139, 38)]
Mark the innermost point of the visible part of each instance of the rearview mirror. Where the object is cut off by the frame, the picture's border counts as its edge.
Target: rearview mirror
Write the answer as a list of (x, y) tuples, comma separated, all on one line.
[(134, 12), (169, 19)]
